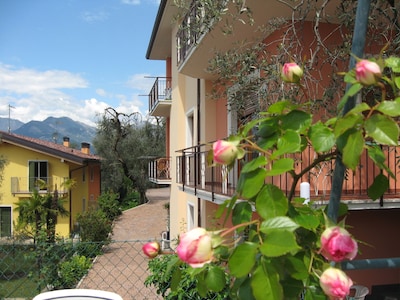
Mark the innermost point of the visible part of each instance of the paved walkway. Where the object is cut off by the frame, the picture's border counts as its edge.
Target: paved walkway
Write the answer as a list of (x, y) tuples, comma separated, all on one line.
[(123, 267)]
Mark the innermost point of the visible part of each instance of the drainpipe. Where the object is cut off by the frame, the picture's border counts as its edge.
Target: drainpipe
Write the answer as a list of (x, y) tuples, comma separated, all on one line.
[(198, 148), (357, 49)]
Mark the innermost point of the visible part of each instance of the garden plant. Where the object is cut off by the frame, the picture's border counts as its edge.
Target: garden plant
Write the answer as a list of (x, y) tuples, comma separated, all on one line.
[(291, 248)]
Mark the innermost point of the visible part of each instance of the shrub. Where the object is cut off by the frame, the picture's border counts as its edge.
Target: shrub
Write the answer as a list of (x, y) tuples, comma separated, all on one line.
[(109, 204), (185, 287), (94, 226), (72, 270)]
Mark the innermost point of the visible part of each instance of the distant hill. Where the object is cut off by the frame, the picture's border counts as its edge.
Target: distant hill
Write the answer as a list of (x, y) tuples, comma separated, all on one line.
[(53, 129), (13, 124)]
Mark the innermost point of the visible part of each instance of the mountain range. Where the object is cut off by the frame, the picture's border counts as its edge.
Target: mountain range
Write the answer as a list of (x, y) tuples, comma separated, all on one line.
[(52, 129)]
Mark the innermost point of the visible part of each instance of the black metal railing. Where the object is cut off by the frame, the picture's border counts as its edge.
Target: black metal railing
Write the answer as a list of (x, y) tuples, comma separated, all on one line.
[(26, 185), (160, 91), (192, 171)]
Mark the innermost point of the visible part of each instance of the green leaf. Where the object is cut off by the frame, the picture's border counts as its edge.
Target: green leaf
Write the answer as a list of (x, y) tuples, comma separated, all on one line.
[(215, 279), (353, 90), (378, 157), (254, 164), (296, 120), (243, 259), (268, 127), (176, 279), (383, 129), (265, 284), (349, 121), (271, 202), (250, 183), (360, 108), (307, 221), (393, 63), (289, 142), (278, 243), (242, 213), (245, 291), (378, 187), (353, 149), (322, 137), (282, 222), (397, 82), (298, 270), (281, 166), (390, 108), (278, 107)]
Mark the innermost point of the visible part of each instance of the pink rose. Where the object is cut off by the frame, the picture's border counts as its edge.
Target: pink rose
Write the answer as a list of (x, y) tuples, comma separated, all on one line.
[(195, 247), (337, 244), (224, 152), (291, 72), (151, 249), (368, 72), (335, 283)]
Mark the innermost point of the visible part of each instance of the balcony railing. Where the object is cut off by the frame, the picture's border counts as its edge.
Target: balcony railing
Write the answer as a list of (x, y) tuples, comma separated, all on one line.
[(160, 97), (159, 170), (216, 182), (26, 185)]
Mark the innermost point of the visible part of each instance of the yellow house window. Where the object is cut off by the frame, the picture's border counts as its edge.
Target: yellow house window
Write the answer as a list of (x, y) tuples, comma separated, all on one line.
[(38, 170)]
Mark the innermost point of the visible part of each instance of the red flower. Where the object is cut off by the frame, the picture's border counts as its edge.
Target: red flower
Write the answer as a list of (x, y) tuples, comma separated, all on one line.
[(337, 244)]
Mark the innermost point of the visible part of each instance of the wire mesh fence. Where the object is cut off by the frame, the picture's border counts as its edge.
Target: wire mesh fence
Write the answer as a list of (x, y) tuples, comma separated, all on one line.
[(27, 268)]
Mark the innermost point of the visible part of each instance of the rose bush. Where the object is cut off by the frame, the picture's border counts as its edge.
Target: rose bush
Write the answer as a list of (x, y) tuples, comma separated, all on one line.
[(292, 249)]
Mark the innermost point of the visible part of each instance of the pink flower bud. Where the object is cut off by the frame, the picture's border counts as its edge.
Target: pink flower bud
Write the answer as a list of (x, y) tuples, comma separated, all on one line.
[(335, 284), (224, 152), (195, 247), (291, 72), (337, 244), (151, 249), (368, 72)]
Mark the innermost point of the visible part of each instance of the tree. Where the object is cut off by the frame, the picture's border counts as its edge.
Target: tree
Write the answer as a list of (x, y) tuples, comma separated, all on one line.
[(124, 141), (39, 212)]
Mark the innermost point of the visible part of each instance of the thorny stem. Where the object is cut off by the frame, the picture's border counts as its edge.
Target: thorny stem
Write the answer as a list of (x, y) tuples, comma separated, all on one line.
[(231, 229)]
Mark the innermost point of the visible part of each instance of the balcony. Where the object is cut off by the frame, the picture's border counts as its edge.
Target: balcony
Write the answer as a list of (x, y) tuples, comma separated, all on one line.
[(26, 185), (159, 170), (160, 97), (202, 34), (217, 184)]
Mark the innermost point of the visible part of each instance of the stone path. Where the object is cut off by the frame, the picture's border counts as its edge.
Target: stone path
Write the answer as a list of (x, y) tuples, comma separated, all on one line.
[(123, 267)]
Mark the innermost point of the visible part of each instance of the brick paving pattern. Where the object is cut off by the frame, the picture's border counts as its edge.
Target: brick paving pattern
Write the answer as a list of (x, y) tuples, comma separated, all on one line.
[(123, 268)]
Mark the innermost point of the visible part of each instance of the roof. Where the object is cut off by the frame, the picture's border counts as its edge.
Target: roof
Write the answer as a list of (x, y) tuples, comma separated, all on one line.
[(49, 148)]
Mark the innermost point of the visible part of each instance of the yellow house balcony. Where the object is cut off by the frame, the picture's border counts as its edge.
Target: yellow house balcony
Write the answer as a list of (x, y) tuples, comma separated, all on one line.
[(217, 183), (24, 186), (160, 97), (160, 170)]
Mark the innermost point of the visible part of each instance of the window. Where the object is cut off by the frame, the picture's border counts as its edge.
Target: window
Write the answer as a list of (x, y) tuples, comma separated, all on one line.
[(38, 175), (5, 221)]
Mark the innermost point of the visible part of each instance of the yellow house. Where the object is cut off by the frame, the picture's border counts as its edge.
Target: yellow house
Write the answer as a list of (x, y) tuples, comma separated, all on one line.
[(194, 118), (29, 159)]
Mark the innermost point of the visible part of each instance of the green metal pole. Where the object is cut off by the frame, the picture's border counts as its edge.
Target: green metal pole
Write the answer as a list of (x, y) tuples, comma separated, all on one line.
[(357, 49)]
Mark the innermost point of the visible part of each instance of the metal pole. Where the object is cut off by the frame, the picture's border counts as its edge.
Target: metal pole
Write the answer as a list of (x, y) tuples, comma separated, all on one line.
[(357, 49)]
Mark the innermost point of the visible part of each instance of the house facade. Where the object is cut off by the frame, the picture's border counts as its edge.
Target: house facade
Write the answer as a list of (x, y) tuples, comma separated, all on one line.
[(29, 160), (195, 118)]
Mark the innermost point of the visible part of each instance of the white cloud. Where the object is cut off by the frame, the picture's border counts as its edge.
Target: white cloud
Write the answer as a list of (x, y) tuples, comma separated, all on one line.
[(29, 81), (94, 17), (130, 2), (141, 82)]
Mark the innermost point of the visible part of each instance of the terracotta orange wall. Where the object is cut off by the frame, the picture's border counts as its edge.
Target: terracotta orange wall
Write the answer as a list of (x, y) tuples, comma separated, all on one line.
[(222, 119), (94, 185), (377, 231)]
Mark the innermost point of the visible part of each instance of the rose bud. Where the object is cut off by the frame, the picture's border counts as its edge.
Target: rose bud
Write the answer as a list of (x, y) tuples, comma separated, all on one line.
[(291, 72), (337, 244), (335, 284), (195, 247), (151, 249), (368, 72), (224, 152)]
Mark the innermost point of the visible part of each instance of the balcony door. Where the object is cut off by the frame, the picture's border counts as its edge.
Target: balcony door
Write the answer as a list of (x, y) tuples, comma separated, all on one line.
[(5, 221), (38, 171)]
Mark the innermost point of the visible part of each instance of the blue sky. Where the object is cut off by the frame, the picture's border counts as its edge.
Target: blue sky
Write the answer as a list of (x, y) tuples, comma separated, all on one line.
[(74, 58)]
